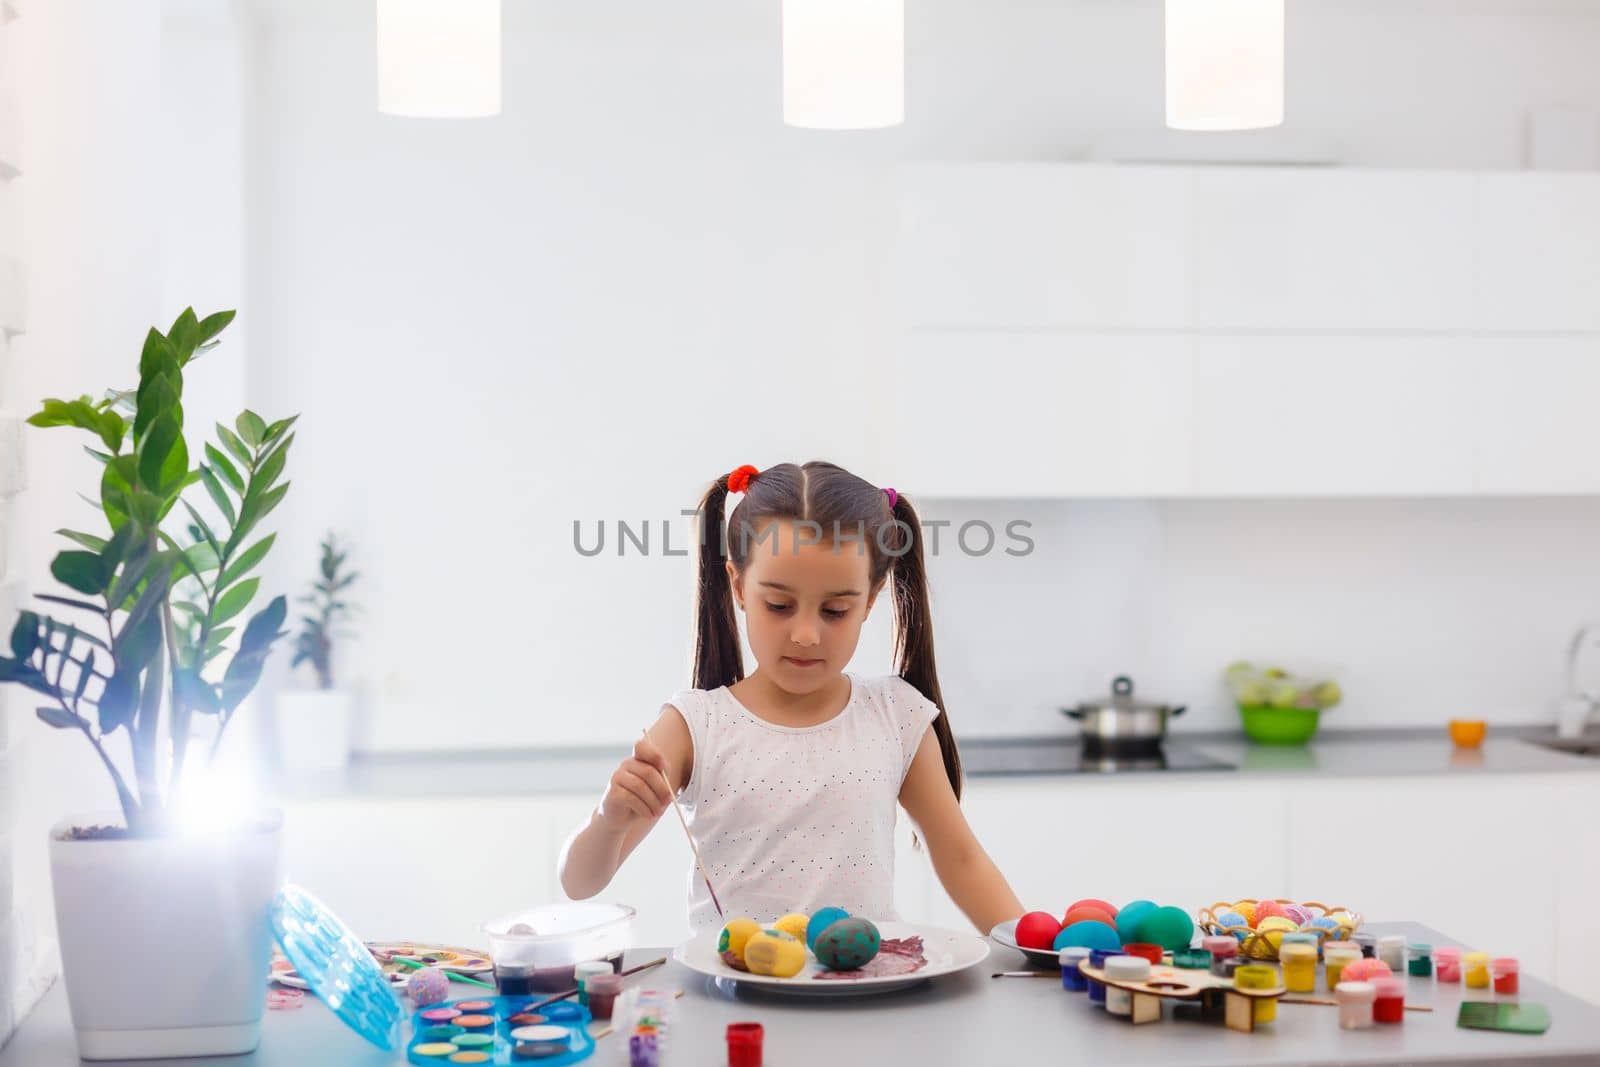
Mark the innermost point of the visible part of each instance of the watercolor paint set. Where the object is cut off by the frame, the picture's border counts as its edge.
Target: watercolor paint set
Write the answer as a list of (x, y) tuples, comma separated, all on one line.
[(500, 1030)]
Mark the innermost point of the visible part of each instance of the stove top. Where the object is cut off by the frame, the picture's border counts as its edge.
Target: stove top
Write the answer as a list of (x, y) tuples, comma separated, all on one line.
[(1057, 755)]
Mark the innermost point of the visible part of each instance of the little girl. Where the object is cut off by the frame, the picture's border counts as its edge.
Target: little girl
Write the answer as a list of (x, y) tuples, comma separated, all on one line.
[(790, 777)]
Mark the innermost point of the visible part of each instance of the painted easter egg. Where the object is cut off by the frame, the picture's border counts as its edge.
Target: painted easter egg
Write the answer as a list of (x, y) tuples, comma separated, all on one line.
[(824, 918), (775, 953), (1364, 970), (1093, 902), (1247, 908), (1088, 934), (1322, 922), (427, 986), (1267, 909), (848, 944), (735, 936), (1272, 929), (1300, 915), (1169, 927), (1086, 911), (1037, 929), (1128, 918), (1231, 919), (793, 924)]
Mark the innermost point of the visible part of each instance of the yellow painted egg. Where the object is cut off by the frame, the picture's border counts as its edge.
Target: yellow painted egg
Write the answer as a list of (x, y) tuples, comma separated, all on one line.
[(1272, 929), (735, 936), (1247, 908), (793, 924), (775, 953)]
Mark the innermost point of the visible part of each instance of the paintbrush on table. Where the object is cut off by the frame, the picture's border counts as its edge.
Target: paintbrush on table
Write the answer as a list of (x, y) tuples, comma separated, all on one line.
[(698, 862), (574, 992)]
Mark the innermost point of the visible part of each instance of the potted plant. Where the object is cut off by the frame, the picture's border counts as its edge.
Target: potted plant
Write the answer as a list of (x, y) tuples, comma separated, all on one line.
[(315, 725), (149, 651)]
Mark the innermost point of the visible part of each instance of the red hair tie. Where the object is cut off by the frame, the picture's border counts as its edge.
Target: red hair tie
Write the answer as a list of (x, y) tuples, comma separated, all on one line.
[(894, 497), (739, 480)]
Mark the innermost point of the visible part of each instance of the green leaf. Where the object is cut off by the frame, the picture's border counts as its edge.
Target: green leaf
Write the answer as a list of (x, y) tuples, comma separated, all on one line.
[(82, 571), (281, 425), (235, 600), (195, 693), (133, 572), (254, 511), (205, 530), (218, 497), (69, 602), (214, 324), (82, 413), (112, 429), (155, 591), (246, 560), (119, 700), (229, 472), (25, 635), (89, 541), (271, 467), (60, 718), (218, 636), (244, 671), (185, 335), (236, 446), (251, 428)]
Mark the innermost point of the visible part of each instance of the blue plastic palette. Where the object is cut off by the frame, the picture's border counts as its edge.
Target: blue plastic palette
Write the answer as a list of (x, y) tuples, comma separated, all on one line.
[(337, 966), (433, 1038)]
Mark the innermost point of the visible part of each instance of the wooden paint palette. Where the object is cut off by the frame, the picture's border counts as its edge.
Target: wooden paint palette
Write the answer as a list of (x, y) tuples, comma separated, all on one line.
[(1215, 994)]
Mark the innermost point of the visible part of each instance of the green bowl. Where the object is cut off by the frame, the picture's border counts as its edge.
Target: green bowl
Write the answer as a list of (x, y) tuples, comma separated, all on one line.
[(1279, 726)]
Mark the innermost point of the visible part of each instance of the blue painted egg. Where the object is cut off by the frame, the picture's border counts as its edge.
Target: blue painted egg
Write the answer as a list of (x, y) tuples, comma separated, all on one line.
[(1130, 916), (1325, 923), (824, 918), (1090, 934), (848, 944)]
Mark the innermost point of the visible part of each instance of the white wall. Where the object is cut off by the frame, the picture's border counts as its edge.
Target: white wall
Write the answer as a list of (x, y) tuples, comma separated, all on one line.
[(637, 278)]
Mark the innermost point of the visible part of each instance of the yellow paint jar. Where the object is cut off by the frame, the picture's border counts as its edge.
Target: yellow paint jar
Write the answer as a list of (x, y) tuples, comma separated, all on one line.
[(1258, 976), (1475, 969), (1335, 960), (1299, 967)]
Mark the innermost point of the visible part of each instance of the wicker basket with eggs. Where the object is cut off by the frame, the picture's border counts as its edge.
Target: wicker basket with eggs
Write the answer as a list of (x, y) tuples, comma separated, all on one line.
[(1260, 925)]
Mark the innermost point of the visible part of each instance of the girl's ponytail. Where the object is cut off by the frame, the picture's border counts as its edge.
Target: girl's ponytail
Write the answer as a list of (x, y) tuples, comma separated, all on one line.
[(718, 657), (913, 638)]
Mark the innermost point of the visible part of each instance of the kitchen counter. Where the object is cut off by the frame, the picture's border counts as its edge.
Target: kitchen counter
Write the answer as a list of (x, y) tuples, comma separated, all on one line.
[(1355, 753), (965, 1020)]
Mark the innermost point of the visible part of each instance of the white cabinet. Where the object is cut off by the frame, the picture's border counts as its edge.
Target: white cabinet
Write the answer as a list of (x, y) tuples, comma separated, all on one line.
[(1018, 415), (1322, 415), (1538, 252), (1535, 402)]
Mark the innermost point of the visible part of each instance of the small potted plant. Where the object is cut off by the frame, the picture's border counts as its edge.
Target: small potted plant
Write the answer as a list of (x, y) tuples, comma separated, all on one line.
[(150, 650), (315, 726)]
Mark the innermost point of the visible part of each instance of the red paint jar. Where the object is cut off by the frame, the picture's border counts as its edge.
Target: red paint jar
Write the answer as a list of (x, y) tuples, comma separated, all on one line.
[(1140, 950), (744, 1044), (1505, 971), (1390, 1004), (602, 990)]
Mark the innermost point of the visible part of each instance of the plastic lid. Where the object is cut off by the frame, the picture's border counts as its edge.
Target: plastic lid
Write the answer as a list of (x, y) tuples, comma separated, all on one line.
[(1347, 955), (1127, 968), (1256, 976), (1220, 944), (610, 982), (336, 965), (1505, 963), (1447, 953), (1391, 939), (1072, 955), (1420, 948), (1292, 950), (1355, 992), (1475, 957)]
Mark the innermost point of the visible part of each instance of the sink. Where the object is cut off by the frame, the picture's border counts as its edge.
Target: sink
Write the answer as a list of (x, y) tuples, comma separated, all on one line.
[(1578, 746)]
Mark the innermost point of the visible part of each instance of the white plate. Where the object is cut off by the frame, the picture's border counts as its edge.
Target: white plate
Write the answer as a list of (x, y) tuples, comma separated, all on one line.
[(1005, 935), (948, 951)]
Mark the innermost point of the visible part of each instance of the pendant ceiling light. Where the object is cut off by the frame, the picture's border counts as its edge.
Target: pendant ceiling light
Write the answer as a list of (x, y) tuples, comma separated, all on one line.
[(439, 58), (844, 63), (1224, 64)]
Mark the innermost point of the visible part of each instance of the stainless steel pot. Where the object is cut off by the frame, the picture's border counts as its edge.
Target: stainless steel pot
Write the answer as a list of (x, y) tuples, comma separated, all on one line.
[(1122, 722)]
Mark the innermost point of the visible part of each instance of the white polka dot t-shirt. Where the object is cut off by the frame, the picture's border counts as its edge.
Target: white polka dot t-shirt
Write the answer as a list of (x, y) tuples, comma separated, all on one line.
[(799, 818)]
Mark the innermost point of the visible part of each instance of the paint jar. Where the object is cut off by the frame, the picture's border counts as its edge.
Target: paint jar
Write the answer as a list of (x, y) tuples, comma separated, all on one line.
[(1475, 969), (1220, 946), (539, 1042), (1334, 961), (603, 990), (1124, 969), (1300, 937), (1419, 960), (1299, 962), (1228, 966), (744, 1044), (1072, 979), (1368, 944), (1447, 964), (1097, 960), (1355, 1004), (1389, 1000), (1192, 959), (586, 970), (1154, 953), (1506, 971), (1258, 976), (1392, 950)]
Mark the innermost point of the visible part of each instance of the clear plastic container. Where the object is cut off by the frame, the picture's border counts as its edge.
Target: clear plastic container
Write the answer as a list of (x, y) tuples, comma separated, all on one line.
[(538, 950)]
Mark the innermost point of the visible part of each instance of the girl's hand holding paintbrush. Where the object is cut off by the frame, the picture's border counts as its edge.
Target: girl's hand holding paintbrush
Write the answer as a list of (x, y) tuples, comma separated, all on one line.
[(638, 789)]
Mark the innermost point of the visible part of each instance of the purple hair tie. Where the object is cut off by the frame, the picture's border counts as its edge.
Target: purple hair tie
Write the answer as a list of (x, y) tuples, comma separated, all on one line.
[(894, 497)]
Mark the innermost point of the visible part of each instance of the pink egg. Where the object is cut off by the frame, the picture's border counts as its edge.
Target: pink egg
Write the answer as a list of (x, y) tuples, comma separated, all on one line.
[(1266, 909), (1300, 915), (1364, 970)]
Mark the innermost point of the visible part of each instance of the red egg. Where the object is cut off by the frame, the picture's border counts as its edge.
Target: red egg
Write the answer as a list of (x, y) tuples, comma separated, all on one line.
[(1080, 912), (1091, 902), (1037, 929)]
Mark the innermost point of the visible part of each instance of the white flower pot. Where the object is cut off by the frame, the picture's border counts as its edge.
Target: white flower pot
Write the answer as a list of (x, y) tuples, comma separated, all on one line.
[(165, 944), (315, 728)]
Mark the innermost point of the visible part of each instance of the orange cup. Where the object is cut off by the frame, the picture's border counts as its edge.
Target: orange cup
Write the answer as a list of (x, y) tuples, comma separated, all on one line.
[(1468, 733)]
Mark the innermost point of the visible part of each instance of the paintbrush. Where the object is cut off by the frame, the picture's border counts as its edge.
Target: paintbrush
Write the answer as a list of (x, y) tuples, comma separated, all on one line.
[(1327, 1003), (698, 862), (574, 992), (454, 977), (1023, 974)]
